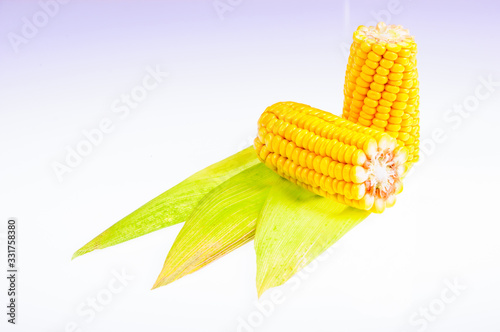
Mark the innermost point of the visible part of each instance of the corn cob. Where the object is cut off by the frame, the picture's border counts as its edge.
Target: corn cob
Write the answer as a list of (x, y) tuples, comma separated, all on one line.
[(381, 86), (331, 156)]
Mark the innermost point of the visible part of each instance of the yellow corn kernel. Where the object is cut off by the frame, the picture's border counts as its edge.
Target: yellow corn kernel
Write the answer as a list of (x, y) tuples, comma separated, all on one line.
[(386, 63), (373, 95), (379, 123), (383, 116), (389, 96), (390, 55), (395, 76), (377, 86), (380, 79), (368, 110), (392, 88), (395, 83), (382, 71), (374, 57), (393, 47), (397, 68), (370, 102), (378, 48)]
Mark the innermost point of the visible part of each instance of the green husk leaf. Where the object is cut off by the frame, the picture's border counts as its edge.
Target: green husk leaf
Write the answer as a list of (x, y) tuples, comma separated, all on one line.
[(224, 220), (294, 227), (173, 206)]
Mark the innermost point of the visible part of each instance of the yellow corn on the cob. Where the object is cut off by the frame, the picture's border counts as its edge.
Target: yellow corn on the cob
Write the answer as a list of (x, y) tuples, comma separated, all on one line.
[(330, 156), (381, 85)]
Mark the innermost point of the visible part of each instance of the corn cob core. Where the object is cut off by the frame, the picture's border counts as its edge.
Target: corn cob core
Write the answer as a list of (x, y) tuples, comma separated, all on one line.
[(331, 156), (381, 88), (385, 33)]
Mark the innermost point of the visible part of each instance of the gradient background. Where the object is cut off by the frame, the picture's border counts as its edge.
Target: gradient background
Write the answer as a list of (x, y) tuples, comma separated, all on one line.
[(223, 73)]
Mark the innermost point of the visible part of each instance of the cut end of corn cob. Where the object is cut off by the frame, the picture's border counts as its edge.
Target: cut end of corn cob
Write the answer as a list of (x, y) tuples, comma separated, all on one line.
[(386, 33), (381, 88), (331, 156)]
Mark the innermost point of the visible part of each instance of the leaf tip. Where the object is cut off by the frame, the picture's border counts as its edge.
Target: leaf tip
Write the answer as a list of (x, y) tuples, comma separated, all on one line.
[(261, 289), (161, 281), (79, 253), (156, 284)]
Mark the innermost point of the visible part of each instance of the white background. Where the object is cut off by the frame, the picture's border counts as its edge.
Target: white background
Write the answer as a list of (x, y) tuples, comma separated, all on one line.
[(223, 72)]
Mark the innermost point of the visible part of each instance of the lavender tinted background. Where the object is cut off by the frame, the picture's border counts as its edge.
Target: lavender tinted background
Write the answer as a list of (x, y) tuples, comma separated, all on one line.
[(222, 73)]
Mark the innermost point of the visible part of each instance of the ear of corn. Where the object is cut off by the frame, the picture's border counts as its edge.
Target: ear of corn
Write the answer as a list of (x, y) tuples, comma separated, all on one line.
[(381, 88), (331, 156)]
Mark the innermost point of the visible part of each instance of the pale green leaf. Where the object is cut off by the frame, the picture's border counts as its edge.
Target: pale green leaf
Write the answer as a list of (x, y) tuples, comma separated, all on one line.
[(294, 227), (173, 206), (223, 221)]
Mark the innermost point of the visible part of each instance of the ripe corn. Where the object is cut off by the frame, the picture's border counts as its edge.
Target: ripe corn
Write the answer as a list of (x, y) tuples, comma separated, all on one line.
[(331, 156), (381, 84)]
